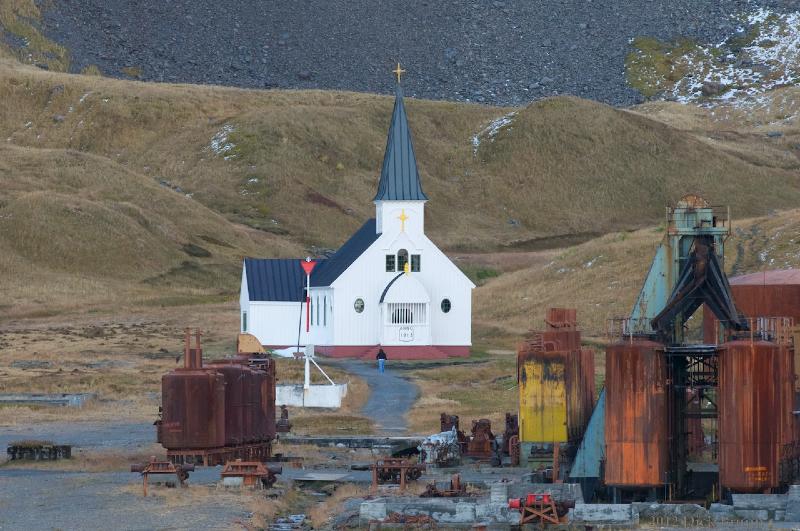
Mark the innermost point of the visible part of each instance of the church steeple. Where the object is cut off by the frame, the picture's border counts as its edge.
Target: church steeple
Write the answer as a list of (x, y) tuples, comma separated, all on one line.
[(399, 174)]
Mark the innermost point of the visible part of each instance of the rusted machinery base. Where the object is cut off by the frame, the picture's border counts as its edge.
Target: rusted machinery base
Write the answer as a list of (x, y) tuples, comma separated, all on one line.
[(181, 472), (253, 473), (457, 488), (220, 456), (394, 470)]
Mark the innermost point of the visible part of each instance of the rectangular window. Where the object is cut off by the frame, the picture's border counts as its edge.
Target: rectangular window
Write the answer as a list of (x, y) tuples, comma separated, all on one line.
[(317, 304), (402, 259), (390, 263), (415, 262), (325, 311), (244, 321), (311, 309)]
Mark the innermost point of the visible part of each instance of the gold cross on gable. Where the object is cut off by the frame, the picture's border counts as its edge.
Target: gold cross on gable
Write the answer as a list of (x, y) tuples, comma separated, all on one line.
[(402, 217), (398, 72)]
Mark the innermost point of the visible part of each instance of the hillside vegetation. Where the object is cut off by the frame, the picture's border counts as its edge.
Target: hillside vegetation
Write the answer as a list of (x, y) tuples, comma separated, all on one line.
[(152, 193), (601, 278)]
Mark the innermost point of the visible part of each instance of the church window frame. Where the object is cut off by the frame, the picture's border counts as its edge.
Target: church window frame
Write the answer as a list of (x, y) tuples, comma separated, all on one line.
[(416, 263), (358, 305), (317, 305), (407, 313), (390, 263), (402, 259), (325, 310), (446, 305)]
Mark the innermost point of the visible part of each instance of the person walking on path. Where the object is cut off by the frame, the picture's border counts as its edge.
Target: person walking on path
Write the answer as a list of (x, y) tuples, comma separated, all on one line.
[(381, 357)]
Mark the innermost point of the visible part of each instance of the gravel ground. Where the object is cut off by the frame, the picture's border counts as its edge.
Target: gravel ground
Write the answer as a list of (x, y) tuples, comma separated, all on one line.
[(501, 52), (52, 499), (87, 435), (390, 396)]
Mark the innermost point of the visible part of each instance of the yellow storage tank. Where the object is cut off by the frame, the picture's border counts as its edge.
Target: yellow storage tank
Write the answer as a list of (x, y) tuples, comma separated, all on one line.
[(556, 386), (542, 397)]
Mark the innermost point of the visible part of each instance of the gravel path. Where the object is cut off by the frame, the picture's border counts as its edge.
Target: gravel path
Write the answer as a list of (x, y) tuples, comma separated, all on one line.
[(500, 51), (391, 396)]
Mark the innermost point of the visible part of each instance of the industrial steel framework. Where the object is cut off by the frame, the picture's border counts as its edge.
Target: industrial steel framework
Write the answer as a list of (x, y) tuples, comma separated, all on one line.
[(687, 273)]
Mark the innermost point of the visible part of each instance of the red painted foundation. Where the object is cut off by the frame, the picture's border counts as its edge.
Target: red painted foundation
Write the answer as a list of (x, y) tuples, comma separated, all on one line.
[(368, 352), (428, 352)]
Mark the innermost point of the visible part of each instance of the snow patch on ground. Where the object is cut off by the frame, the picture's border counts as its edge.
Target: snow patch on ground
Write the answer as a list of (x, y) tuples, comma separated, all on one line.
[(763, 55), (220, 145), (490, 131)]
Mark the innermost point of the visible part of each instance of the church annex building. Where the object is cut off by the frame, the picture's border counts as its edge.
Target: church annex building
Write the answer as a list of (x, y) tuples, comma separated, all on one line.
[(388, 285)]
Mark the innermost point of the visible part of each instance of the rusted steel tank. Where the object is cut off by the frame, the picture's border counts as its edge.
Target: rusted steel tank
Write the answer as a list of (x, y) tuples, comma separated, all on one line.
[(637, 451), (556, 382), (756, 426), (224, 404), (192, 427), (767, 294)]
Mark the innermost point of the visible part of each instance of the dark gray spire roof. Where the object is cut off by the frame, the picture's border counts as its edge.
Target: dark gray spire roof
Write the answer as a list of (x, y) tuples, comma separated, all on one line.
[(399, 174)]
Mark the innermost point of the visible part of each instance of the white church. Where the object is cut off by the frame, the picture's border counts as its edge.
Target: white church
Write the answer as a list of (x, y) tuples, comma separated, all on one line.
[(388, 286)]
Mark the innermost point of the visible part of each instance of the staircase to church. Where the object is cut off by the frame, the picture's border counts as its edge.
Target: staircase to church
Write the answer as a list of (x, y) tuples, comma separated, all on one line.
[(425, 352)]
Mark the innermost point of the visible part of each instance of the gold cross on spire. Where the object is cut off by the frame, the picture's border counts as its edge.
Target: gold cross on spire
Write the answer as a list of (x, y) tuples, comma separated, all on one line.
[(402, 217), (398, 72)]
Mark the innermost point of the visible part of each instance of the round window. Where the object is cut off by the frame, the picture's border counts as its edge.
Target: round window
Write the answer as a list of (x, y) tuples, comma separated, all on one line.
[(359, 305), (446, 305)]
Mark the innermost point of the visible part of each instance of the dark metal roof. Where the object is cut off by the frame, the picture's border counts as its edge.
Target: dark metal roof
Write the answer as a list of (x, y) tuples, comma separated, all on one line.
[(326, 273), (275, 279), (399, 174), (389, 285)]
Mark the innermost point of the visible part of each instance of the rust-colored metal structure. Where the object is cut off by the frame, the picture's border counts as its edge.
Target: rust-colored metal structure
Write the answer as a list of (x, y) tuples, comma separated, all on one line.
[(556, 381), (763, 294), (394, 470), (637, 446), (252, 473), (181, 472), (481, 442), (758, 434), (220, 411)]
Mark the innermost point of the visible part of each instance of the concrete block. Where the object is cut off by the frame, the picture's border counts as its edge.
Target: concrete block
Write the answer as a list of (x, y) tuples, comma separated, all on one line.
[(465, 512), (372, 510), (770, 502), (677, 512), (327, 396), (721, 512), (792, 510), (780, 516), (760, 515), (603, 513), (794, 492), (498, 492)]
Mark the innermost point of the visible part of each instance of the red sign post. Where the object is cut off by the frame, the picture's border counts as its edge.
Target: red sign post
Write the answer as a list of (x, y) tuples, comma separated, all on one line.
[(308, 266)]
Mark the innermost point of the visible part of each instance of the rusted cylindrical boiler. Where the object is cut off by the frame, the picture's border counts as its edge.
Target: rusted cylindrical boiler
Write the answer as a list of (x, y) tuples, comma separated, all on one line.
[(637, 451)]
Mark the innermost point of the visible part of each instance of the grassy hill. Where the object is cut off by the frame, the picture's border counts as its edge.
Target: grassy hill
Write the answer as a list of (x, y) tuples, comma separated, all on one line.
[(602, 277), (151, 193)]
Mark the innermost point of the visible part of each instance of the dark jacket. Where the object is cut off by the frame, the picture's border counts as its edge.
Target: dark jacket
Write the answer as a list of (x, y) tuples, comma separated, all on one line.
[(381, 355)]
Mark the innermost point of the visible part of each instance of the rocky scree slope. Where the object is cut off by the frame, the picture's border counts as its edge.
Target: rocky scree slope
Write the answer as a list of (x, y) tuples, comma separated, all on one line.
[(500, 52)]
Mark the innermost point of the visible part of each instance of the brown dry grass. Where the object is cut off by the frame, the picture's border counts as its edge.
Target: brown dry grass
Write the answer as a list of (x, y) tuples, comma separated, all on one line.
[(84, 460), (485, 389), (322, 513), (602, 277), (17, 18), (565, 168), (122, 359)]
